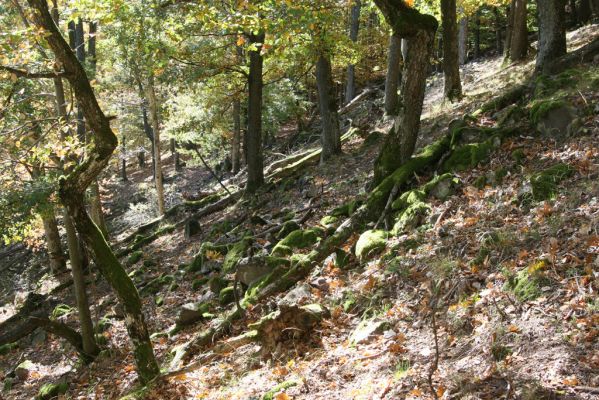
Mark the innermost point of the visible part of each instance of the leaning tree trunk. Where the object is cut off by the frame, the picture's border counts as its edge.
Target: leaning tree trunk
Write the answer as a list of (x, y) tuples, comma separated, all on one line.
[(552, 31), (451, 67), (153, 103), (330, 137), (354, 26), (394, 66), (463, 40), (72, 189), (419, 29), (253, 138), (517, 46)]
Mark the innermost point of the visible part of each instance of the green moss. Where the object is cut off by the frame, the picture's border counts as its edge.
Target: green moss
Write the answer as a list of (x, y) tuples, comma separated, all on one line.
[(526, 284), (471, 154), (329, 221), (369, 242), (195, 204), (103, 324), (407, 198), (226, 295), (298, 239), (287, 228), (217, 283), (235, 253), (50, 390), (156, 284), (499, 175), (346, 210), (410, 218), (544, 184), (8, 347), (61, 310), (548, 84), (135, 257), (480, 182), (541, 108), (198, 283)]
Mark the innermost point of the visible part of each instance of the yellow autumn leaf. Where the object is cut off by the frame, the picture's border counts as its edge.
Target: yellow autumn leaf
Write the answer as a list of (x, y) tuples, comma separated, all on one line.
[(240, 41), (282, 396)]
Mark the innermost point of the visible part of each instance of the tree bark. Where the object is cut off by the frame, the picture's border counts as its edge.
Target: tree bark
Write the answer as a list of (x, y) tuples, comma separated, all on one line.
[(498, 29), (175, 154), (552, 31), (236, 139), (354, 26), (420, 30), (583, 12), (394, 67), (463, 41), (72, 189), (153, 103), (330, 137), (517, 40), (451, 67), (55, 254), (253, 139)]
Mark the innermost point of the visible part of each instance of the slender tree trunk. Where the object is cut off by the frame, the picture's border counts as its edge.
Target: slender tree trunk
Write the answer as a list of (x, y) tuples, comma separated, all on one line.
[(583, 12), (330, 138), (518, 37), (552, 31), (354, 26), (451, 68), (153, 103), (498, 28), (175, 154), (55, 254), (236, 139), (75, 254), (123, 158), (463, 41), (394, 66), (73, 186), (477, 34), (253, 139), (148, 132)]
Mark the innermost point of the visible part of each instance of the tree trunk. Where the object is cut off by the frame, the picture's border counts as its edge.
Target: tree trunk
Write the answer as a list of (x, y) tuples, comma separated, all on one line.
[(498, 28), (451, 67), (477, 34), (327, 100), (236, 139), (151, 95), (175, 154), (123, 159), (394, 66), (583, 12), (55, 254), (73, 186), (141, 159), (463, 41), (253, 139), (354, 26), (517, 46), (148, 131), (594, 7), (552, 31)]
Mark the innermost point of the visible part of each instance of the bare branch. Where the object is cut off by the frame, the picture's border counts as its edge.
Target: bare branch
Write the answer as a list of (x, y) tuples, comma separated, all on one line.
[(20, 73)]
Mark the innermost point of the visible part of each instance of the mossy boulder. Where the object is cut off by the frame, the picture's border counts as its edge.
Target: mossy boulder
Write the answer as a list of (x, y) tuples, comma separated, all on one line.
[(470, 155), (52, 390), (134, 257), (370, 242), (347, 209), (411, 217), (286, 229), (544, 184), (298, 239), (552, 117), (191, 312), (226, 296), (527, 283), (329, 221), (235, 253), (217, 283)]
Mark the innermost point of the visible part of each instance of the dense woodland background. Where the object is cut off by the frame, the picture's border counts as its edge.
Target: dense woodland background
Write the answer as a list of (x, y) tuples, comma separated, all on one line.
[(263, 199)]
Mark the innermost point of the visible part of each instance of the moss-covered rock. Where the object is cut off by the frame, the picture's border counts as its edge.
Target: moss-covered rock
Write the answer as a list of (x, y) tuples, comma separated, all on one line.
[(527, 283), (8, 347), (200, 258), (369, 242), (552, 117), (544, 184), (470, 155), (51, 390), (226, 296), (286, 229), (235, 253), (411, 217), (347, 209), (217, 283), (134, 257), (518, 156), (156, 284), (299, 239), (329, 221)]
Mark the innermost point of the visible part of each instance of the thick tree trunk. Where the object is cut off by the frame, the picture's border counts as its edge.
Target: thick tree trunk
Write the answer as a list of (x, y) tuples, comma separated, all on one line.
[(153, 103), (394, 67), (401, 141), (451, 67), (552, 31), (354, 26), (517, 41), (463, 41), (55, 254), (498, 29), (253, 139), (327, 101), (72, 189), (583, 12)]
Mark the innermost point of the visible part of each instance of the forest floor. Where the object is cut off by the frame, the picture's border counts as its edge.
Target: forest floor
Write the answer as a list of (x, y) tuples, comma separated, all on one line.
[(519, 317)]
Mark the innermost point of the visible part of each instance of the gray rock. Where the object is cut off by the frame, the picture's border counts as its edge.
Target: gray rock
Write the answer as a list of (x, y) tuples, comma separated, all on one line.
[(557, 122), (301, 294), (191, 312)]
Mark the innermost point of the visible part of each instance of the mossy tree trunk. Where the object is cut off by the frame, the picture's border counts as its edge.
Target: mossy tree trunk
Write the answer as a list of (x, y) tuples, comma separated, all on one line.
[(354, 26), (72, 189), (451, 68), (327, 101), (419, 30), (253, 138), (393, 78), (552, 31)]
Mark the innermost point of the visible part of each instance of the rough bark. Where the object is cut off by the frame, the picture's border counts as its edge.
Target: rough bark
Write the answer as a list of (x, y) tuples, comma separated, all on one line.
[(72, 189), (463, 40), (55, 254), (394, 66), (354, 26), (477, 34), (583, 12), (253, 139), (123, 159), (236, 139), (517, 41), (451, 68), (330, 137), (175, 154), (153, 103), (498, 31), (552, 32)]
